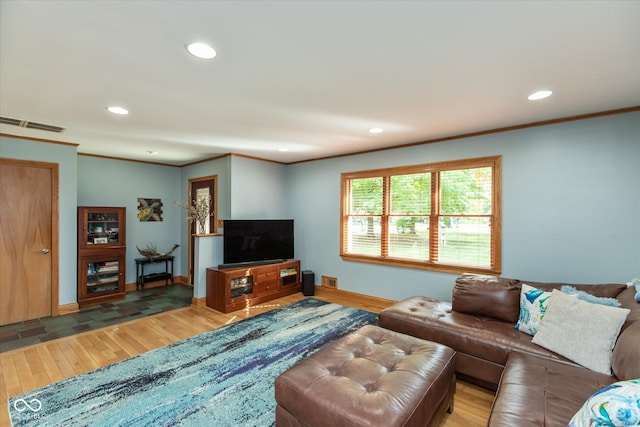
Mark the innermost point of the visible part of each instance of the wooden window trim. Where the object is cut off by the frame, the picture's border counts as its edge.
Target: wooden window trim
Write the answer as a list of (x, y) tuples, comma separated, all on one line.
[(495, 162)]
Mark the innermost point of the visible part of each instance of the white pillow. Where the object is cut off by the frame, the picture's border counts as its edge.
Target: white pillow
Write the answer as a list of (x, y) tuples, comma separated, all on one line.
[(581, 331)]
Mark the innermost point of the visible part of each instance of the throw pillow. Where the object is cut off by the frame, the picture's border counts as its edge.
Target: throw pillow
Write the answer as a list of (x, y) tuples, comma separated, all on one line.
[(615, 405), (586, 296), (533, 305), (635, 282), (581, 331)]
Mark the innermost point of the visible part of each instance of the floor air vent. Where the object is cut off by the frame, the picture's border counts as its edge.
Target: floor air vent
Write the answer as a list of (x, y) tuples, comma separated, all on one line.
[(329, 282), (31, 125)]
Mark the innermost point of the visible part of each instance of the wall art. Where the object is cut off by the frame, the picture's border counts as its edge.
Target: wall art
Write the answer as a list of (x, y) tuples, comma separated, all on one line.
[(149, 210)]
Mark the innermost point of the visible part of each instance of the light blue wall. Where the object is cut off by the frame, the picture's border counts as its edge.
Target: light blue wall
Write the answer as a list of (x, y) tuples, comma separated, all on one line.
[(580, 181), (65, 157), (258, 189), (571, 206), (210, 245), (109, 182), (208, 253)]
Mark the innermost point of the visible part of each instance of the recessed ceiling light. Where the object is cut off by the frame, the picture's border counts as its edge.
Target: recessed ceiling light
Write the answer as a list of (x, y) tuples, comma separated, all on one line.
[(152, 152), (118, 110), (541, 94), (201, 50), (376, 130), (283, 149)]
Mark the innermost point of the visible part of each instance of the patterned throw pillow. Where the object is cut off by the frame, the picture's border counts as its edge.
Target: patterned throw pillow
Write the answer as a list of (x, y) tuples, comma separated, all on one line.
[(533, 305), (615, 405)]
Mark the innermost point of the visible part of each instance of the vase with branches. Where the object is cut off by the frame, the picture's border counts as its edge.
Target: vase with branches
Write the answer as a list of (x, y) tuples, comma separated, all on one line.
[(199, 210)]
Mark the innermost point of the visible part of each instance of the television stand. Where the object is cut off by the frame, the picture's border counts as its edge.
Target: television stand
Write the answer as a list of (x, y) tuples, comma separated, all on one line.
[(234, 288)]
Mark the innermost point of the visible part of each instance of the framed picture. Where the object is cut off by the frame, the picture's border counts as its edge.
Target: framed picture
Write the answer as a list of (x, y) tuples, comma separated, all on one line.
[(100, 240), (149, 210)]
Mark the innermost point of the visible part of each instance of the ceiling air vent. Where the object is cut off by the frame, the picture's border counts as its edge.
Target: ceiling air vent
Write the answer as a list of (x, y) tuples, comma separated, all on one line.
[(8, 121), (31, 125), (42, 126)]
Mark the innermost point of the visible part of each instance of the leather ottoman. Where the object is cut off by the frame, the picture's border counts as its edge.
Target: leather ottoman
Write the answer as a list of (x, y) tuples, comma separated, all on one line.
[(372, 377)]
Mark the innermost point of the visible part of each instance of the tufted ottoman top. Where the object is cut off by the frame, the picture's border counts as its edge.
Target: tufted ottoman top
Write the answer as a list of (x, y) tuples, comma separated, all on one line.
[(372, 377)]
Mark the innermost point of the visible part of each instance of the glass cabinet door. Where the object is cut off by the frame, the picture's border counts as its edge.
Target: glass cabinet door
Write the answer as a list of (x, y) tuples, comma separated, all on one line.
[(103, 228), (101, 275), (241, 286), (100, 227)]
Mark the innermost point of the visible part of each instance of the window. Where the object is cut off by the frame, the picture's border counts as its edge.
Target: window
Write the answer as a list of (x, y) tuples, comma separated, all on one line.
[(439, 216)]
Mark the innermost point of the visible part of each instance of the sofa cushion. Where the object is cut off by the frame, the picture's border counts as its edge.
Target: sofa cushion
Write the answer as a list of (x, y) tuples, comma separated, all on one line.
[(615, 405), (480, 336), (491, 296), (537, 391), (627, 300), (533, 305), (610, 290), (581, 331), (625, 362)]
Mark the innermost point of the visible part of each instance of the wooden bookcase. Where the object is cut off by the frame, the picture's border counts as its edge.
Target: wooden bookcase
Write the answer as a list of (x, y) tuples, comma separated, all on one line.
[(101, 254), (232, 289)]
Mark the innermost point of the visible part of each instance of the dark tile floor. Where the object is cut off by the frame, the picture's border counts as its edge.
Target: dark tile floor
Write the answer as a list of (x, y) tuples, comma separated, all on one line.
[(134, 306)]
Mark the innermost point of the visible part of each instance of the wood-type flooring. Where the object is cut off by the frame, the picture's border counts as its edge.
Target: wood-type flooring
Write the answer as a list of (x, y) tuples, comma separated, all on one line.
[(31, 367)]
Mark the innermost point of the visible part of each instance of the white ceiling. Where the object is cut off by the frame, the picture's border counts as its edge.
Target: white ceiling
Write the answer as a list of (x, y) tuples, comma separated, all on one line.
[(309, 76)]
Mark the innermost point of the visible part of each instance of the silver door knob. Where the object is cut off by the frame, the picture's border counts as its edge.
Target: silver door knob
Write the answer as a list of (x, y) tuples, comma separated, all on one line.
[(45, 251)]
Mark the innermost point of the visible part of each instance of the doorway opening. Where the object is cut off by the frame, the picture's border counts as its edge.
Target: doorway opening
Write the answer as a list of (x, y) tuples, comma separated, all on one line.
[(202, 190)]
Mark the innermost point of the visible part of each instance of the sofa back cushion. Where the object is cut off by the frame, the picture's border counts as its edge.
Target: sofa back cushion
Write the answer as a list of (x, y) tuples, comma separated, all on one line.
[(499, 297), (610, 290), (625, 362), (496, 297), (627, 300)]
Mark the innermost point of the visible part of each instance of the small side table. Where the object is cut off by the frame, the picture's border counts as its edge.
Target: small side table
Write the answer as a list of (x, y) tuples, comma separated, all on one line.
[(166, 275)]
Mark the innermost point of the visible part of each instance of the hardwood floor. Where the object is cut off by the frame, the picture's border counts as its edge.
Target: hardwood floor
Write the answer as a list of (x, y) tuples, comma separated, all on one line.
[(32, 367)]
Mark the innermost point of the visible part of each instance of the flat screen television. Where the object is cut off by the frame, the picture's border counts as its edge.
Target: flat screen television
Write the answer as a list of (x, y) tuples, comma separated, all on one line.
[(257, 241)]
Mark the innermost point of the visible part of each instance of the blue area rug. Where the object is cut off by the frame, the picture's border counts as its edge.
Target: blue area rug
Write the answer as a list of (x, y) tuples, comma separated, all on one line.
[(220, 378)]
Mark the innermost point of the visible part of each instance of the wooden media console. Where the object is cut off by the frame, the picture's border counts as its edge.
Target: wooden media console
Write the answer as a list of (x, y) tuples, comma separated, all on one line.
[(231, 289)]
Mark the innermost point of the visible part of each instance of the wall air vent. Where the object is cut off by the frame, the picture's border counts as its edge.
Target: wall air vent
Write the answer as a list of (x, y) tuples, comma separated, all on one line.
[(329, 282), (31, 125)]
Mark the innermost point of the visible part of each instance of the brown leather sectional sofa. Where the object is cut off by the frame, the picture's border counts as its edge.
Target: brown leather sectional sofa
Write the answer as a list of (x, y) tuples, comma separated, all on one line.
[(535, 386)]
